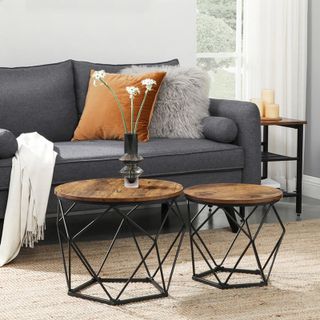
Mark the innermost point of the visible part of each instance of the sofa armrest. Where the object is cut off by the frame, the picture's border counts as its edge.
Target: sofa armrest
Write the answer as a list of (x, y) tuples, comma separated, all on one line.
[(8, 144), (247, 118)]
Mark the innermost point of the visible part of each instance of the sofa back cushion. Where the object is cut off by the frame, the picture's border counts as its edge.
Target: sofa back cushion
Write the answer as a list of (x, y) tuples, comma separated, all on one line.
[(101, 118), (82, 74), (39, 98)]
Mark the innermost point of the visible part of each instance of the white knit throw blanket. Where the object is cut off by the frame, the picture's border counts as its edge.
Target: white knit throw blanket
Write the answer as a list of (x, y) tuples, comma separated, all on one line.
[(30, 183)]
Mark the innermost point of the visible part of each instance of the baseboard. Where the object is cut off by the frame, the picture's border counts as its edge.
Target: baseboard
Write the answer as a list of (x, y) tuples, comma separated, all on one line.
[(311, 186)]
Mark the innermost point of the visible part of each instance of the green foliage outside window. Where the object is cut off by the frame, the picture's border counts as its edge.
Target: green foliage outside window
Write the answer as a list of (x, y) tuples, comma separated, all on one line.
[(220, 8), (216, 33)]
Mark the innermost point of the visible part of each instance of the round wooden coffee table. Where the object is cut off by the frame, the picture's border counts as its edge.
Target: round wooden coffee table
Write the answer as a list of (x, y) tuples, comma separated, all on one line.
[(116, 198), (222, 196)]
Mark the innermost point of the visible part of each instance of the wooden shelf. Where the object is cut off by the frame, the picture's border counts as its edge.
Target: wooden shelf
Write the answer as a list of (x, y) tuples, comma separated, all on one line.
[(282, 122), (287, 194)]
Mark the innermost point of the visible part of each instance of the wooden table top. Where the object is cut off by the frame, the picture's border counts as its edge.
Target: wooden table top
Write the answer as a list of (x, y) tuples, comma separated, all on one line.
[(282, 122), (233, 194), (113, 191)]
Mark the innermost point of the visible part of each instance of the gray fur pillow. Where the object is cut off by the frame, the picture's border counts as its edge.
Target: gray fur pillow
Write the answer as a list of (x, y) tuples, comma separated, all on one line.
[(182, 102)]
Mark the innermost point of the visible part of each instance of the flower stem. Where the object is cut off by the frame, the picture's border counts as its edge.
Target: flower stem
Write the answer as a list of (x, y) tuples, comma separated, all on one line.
[(131, 106), (140, 111), (118, 104)]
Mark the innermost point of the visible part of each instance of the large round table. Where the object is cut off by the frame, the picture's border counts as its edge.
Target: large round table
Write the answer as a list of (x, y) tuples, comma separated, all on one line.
[(123, 202)]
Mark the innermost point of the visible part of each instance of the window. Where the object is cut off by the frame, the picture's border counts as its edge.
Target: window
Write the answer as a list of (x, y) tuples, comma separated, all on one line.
[(219, 45)]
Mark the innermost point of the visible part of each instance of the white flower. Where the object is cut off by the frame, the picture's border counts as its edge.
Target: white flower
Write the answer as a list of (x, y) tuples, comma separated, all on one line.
[(97, 75), (148, 83), (133, 91)]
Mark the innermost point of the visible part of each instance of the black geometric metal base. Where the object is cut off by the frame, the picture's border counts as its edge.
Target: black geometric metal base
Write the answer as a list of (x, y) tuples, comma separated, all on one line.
[(76, 292), (161, 287), (214, 268)]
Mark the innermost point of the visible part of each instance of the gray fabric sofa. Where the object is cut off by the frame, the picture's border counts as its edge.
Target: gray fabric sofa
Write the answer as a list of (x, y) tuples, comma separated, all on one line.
[(49, 99)]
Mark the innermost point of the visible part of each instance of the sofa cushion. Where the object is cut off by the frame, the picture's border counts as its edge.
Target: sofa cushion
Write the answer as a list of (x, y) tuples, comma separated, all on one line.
[(220, 129), (39, 98), (82, 73), (182, 101), (8, 144), (5, 171), (162, 157), (101, 117), (97, 159)]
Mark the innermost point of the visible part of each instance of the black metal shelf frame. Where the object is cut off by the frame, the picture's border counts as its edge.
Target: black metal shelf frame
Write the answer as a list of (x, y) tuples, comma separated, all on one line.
[(267, 156)]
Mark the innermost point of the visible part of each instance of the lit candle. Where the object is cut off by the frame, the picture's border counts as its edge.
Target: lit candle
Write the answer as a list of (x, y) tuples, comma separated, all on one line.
[(267, 96), (260, 106), (272, 111)]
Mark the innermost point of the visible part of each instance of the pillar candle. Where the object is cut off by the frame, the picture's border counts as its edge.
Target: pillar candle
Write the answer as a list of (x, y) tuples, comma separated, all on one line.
[(272, 111), (260, 106), (267, 96)]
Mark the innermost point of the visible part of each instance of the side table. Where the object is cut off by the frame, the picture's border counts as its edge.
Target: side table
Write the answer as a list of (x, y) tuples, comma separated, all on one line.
[(223, 195), (271, 157), (117, 199)]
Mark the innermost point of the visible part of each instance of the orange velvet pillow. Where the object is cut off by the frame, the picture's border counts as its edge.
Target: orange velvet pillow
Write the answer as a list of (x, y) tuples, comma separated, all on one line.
[(101, 118)]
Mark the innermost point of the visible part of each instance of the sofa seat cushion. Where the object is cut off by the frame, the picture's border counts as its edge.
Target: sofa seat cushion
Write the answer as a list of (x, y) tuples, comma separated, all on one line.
[(162, 157), (98, 159), (39, 98)]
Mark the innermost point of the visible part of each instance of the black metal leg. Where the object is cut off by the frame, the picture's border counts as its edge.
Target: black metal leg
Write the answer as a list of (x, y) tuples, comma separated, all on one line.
[(231, 219), (94, 277), (265, 148), (191, 242), (263, 269), (299, 170)]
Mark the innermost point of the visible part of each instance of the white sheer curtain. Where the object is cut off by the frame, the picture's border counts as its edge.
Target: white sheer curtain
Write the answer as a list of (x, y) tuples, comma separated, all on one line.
[(275, 57)]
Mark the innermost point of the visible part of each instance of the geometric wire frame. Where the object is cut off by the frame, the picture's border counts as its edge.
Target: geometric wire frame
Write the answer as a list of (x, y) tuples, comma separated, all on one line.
[(162, 288), (215, 268)]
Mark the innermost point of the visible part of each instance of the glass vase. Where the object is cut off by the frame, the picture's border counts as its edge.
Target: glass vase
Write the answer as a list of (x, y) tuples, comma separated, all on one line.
[(131, 171)]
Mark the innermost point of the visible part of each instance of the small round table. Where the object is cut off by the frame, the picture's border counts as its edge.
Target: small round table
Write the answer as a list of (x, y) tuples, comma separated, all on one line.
[(223, 195), (117, 199)]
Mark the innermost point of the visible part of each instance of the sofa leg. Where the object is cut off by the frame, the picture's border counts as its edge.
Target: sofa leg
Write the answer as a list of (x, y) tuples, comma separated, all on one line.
[(242, 212), (164, 210), (231, 216)]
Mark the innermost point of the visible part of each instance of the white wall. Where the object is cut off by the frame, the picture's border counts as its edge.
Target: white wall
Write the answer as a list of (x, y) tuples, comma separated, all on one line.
[(110, 31), (311, 178), (312, 150)]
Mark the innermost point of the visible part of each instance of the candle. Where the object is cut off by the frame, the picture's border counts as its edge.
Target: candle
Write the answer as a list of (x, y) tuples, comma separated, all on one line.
[(260, 105), (267, 96), (272, 111)]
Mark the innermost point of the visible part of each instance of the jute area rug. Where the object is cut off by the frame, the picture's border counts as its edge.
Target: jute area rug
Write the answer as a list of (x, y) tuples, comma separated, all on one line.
[(33, 286)]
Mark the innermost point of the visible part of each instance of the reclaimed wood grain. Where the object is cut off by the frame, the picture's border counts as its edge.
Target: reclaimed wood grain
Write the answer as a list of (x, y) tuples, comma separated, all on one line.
[(282, 122), (233, 194), (113, 191)]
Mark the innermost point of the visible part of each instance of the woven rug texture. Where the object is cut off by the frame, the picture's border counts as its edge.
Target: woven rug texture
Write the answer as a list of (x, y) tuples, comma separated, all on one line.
[(34, 286)]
